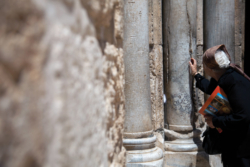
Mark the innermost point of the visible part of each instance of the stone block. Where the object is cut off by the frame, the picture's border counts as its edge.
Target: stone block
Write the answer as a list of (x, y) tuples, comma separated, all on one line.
[(57, 101), (156, 86), (186, 159), (215, 161), (155, 22), (239, 32)]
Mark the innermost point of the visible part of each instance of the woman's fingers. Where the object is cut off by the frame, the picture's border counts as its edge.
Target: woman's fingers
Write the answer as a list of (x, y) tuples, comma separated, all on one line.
[(190, 63), (208, 116), (208, 120), (193, 66), (193, 61)]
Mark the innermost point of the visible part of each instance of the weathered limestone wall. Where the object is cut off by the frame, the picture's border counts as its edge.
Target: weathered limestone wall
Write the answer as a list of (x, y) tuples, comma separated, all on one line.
[(114, 88), (239, 32), (62, 80), (61, 100), (156, 63), (198, 96)]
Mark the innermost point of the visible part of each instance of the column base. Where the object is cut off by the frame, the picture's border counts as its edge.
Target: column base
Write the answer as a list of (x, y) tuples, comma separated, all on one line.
[(145, 158), (139, 144), (157, 163), (186, 159), (183, 145)]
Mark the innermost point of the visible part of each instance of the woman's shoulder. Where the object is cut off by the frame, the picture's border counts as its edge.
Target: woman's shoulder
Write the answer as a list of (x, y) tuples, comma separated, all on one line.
[(229, 77), (232, 77)]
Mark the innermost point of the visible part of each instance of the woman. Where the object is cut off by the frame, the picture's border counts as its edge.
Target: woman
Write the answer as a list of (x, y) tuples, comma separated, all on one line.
[(236, 85)]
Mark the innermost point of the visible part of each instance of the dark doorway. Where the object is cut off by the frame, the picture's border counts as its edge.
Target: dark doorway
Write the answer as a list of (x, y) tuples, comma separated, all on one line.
[(247, 39)]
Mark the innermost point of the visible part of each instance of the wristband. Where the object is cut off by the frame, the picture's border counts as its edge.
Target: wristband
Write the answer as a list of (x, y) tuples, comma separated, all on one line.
[(195, 73)]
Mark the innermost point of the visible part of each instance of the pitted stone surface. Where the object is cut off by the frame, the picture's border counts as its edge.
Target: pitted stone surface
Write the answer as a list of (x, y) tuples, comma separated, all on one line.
[(239, 32), (155, 22), (156, 63), (156, 86), (61, 100)]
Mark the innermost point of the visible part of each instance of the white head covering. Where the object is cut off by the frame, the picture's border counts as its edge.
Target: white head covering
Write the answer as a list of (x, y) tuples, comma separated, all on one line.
[(222, 59)]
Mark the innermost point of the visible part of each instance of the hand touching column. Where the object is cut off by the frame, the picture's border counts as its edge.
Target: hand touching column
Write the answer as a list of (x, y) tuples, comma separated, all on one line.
[(193, 66)]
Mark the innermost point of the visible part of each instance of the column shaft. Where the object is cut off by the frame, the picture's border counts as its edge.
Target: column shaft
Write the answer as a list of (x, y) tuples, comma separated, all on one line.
[(219, 24), (138, 116), (183, 144), (138, 132), (180, 46)]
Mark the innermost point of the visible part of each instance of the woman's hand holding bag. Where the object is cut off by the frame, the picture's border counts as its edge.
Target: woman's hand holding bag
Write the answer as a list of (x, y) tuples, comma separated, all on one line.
[(212, 141)]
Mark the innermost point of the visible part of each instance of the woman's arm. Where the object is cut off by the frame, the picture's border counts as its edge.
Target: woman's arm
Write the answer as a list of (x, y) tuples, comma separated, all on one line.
[(204, 85)]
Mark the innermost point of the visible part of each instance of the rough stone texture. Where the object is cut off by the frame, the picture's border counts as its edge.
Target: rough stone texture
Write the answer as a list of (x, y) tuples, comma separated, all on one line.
[(239, 32), (155, 22), (22, 136), (159, 139), (61, 100), (118, 23), (114, 88), (156, 85), (198, 95), (156, 63), (102, 16), (79, 129)]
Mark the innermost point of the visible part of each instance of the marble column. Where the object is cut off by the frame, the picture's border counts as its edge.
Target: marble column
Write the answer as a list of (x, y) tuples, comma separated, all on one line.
[(183, 144), (138, 131), (219, 24)]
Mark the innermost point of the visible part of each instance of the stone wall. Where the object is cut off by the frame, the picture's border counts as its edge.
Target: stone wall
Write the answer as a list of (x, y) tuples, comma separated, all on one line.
[(61, 87), (198, 96), (62, 80), (114, 93), (239, 32), (156, 63)]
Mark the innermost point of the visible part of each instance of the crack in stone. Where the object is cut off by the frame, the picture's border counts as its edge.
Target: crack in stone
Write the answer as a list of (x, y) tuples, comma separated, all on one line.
[(190, 32), (194, 91), (152, 21)]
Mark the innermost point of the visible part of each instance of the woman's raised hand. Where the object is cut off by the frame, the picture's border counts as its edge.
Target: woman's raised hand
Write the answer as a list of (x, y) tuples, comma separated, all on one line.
[(193, 66)]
